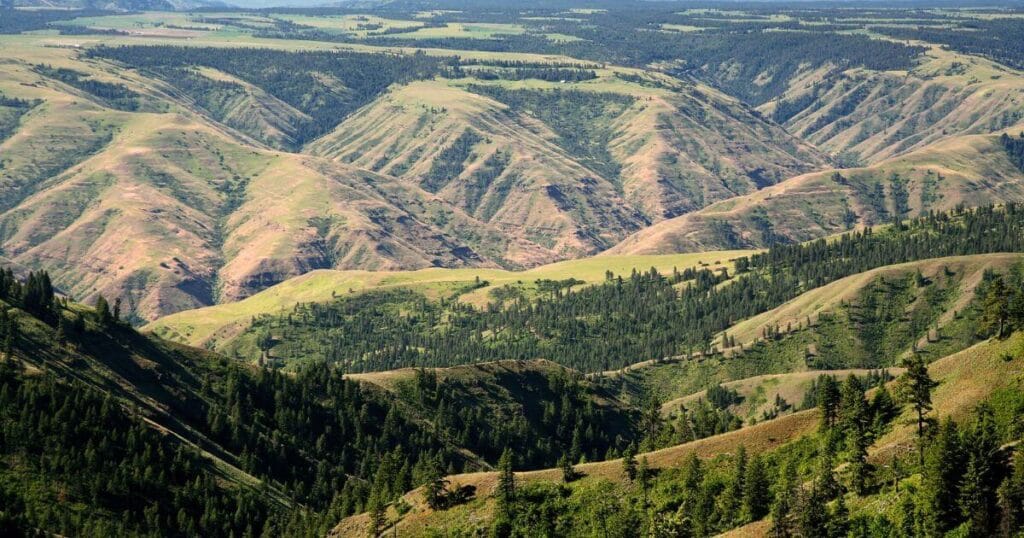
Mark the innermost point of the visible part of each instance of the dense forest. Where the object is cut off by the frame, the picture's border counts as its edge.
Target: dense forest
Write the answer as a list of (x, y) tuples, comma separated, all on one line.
[(16, 21), (321, 446), (549, 416), (996, 38), (967, 483), (627, 319)]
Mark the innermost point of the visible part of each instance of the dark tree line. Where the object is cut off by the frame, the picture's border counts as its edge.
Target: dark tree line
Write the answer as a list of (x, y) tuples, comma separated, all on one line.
[(16, 21), (997, 38), (1014, 147), (117, 96), (134, 480), (314, 437), (624, 320)]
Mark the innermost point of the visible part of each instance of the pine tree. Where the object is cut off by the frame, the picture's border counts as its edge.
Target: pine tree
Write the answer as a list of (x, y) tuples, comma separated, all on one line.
[(854, 412), (810, 516), (825, 483), (568, 471), (943, 471), (828, 400), (978, 488), (995, 308), (103, 315), (643, 475), (756, 491), (435, 486), (377, 515), (916, 388), (838, 525), (732, 497), (629, 462), (9, 328), (783, 524), (506, 491)]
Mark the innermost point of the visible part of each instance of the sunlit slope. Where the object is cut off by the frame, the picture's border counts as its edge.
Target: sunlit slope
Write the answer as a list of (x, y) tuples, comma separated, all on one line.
[(875, 115), (868, 320), (757, 439), (215, 325), (169, 211), (687, 149), (969, 170), (243, 106), (512, 176), (172, 215), (968, 271), (673, 149), (965, 379)]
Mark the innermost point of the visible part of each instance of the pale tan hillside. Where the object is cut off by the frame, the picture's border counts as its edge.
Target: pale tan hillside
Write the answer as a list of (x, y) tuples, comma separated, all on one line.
[(679, 150), (248, 109), (539, 193), (969, 170), (683, 151), (759, 392), (879, 115), (170, 211), (965, 379)]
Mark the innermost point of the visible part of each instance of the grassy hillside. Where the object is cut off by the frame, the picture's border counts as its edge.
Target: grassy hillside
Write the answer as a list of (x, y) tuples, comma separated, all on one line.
[(466, 150), (217, 325), (874, 116), (961, 170), (503, 158), (982, 373), (870, 320), (190, 136), (647, 316)]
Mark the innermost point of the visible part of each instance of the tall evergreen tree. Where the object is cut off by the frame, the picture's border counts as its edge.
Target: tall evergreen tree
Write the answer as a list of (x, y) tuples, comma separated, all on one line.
[(943, 471), (757, 497), (786, 499), (828, 400), (506, 491), (731, 506), (978, 488), (435, 485), (629, 462), (916, 388), (995, 307)]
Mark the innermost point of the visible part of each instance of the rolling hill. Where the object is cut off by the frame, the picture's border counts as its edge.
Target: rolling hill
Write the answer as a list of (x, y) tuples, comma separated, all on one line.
[(968, 170), (191, 156), (963, 380), (511, 269), (218, 325), (873, 116)]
